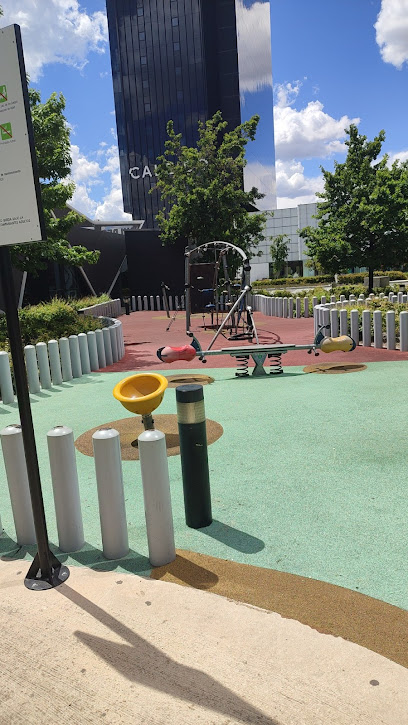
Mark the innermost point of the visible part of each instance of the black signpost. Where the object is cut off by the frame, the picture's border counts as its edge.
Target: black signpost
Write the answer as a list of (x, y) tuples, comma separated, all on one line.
[(19, 161)]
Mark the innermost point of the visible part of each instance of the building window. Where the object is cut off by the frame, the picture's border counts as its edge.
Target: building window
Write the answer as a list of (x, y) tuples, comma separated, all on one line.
[(142, 36), (178, 71), (147, 107), (145, 84), (174, 22), (140, 12), (176, 46), (143, 60), (179, 95)]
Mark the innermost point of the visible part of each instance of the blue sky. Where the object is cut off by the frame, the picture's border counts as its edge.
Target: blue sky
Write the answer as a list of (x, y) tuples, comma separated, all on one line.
[(334, 62)]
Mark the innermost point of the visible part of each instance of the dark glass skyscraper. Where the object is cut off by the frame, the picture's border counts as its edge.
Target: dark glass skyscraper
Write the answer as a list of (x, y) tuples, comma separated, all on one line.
[(171, 59)]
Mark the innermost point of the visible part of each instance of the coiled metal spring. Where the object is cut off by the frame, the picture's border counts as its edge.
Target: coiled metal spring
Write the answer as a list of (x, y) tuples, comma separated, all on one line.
[(275, 359), (242, 366)]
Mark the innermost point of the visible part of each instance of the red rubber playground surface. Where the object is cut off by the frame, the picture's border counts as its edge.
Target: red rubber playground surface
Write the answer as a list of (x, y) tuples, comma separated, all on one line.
[(145, 332)]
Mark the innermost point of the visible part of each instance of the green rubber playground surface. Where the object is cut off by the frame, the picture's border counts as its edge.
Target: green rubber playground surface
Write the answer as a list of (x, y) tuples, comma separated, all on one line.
[(310, 476)]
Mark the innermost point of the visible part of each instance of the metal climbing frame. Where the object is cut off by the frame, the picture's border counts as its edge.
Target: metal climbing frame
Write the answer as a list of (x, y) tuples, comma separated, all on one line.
[(241, 304)]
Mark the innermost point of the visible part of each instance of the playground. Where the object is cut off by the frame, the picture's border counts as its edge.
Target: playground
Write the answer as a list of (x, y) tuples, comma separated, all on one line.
[(308, 487)]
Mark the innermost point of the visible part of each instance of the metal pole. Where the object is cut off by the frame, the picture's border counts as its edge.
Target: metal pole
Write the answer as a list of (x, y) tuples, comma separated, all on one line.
[(194, 458), (187, 287), (45, 571)]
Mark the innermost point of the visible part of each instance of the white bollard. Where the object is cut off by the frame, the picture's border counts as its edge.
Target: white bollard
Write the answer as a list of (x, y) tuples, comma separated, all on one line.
[(403, 331), (157, 500), (108, 346), (394, 299), (75, 356), (109, 479), (133, 307), (139, 303), (100, 344), (84, 353), (305, 307), (323, 300), (333, 298), (390, 296), (145, 303), (280, 306), (158, 302), (285, 307), (32, 369), (65, 359), (17, 479), (334, 323), (151, 299), (61, 452), (93, 350), (343, 322), (354, 326), (390, 328), (377, 324), (399, 297), (43, 365), (171, 303), (342, 298), (314, 301), (366, 324), (290, 308), (55, 362), (326, 322), (6, 382), (382, 295), (114, 343), (404, 299)]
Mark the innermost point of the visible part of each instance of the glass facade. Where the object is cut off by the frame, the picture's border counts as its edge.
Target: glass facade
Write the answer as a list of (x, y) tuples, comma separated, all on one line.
[(171, 59)]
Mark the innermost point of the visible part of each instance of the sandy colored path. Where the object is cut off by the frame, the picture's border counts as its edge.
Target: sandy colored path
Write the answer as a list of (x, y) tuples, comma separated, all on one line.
[(116, 648)]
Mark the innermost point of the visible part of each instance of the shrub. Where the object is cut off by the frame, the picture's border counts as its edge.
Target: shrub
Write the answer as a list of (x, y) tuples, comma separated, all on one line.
[(49, 320), (88, 301)]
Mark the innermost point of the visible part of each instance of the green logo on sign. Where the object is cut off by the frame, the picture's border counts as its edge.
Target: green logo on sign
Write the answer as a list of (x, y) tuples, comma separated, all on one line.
[(3, 94), (5, 131)]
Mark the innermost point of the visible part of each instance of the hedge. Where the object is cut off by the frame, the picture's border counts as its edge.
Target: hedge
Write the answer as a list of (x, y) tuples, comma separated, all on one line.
[(50, 320)]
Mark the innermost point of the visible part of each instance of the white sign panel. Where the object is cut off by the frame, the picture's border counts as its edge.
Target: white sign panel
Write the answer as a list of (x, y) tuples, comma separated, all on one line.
[(20, 213)]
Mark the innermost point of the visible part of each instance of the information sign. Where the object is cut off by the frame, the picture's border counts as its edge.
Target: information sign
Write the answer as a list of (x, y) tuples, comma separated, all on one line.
[(21, 217)]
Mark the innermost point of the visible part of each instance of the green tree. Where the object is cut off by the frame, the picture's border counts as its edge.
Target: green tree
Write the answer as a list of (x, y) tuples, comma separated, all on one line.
[(279, 251), (363, 218), (51, 135), (202, 187)]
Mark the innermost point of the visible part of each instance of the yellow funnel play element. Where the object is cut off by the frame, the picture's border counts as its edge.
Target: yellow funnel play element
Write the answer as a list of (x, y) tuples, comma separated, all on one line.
[(331, 344), (141, 393)]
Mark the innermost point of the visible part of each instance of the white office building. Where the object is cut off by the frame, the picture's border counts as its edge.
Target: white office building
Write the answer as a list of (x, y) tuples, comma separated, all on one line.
[(286, 221)]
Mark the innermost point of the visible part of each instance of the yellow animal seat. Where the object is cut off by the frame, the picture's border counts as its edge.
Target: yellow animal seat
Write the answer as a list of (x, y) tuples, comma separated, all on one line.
[(141, 393), (331, 344)]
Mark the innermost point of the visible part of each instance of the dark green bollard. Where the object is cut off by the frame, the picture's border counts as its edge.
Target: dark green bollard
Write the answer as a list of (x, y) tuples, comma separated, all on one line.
[(194, 458)]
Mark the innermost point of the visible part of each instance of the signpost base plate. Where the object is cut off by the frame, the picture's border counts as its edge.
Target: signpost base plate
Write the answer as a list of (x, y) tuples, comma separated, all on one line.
[(56, 575)]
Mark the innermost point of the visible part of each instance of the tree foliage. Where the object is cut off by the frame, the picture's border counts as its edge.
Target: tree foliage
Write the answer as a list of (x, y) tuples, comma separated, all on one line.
[(279, 251), (51, 135), (202, 187), (363, 218)]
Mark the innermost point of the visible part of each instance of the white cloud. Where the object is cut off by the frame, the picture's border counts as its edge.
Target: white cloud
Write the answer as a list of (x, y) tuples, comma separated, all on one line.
[(392, 32), (293, 187), (56, 31), (88, 174), (82, 168), (397, 155), (255, 64), (308, 132)]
